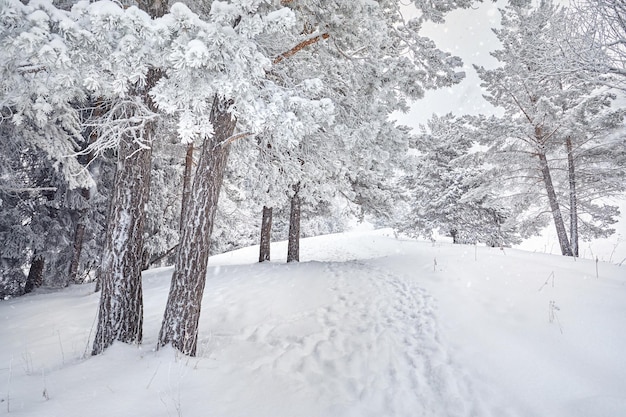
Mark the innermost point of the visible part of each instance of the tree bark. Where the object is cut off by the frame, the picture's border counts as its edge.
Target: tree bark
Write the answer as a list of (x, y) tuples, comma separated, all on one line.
[(182, 312), (573, 198), (454, 234), (121, 305), (120, 314), (266, 229), (187, 175), (35, 274), (554, 206), (293, 247), (79, 237)]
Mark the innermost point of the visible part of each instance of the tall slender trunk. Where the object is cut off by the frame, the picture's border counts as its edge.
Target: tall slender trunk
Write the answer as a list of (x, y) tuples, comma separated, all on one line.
[(182, 312), (35, 273), (266, 229), (293, 247), (79, 237), (573, 198), (554, 206)]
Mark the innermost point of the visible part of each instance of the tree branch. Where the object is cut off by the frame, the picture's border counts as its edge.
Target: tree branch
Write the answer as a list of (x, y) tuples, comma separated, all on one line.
[(27, 189), (29, 69), (232, 139), (300, 46)]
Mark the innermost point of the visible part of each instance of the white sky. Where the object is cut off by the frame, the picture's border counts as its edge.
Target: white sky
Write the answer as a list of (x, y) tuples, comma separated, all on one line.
[(467, 34)]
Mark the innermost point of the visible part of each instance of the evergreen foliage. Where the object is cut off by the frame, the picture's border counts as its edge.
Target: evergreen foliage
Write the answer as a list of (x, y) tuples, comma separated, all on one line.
[(444, 187), (544, 111)]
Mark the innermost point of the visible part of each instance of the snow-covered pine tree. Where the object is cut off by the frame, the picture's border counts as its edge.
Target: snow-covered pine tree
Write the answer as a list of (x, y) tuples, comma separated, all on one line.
[(130, 114), (39, 213), (182, 312), (543, 110), (55, 60), (40, 90), (16, 210), (220, 53), (591, 167), (444, 187)]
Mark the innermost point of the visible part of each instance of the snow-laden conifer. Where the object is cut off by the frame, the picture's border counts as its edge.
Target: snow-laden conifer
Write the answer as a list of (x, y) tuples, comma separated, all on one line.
[(550, 130), (445, 187)]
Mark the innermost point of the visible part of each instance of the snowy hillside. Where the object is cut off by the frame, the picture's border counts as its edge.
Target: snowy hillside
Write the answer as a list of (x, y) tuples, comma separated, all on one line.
[(366, 325)]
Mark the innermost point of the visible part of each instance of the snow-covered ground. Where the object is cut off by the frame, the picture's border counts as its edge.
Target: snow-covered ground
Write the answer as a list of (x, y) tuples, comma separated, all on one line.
[(366, 325)]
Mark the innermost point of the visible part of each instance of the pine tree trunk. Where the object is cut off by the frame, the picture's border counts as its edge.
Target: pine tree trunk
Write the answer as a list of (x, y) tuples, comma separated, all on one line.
[(293, 247), (35, 274), (11, 277), (79, 237), (573, 198), (121, 305), (266, 229), (182, 312), (454, 234), (186, 183), (120, 315), (554, 206)]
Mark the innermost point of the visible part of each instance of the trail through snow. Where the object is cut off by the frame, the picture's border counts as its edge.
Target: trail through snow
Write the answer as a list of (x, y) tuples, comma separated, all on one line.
[(395, 364)]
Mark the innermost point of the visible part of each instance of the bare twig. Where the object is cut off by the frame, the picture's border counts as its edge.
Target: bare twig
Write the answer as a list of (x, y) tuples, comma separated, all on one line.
[(547, 280), (61, 346), (9, 386), (153, 375), (45, 393), (552, 316)]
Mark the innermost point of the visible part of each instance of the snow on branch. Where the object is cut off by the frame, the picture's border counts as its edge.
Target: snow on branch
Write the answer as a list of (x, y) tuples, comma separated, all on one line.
[(126, 118), (352, 55)]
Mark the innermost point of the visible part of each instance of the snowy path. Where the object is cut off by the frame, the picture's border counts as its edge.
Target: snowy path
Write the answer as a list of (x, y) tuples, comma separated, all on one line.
[(371, 349)]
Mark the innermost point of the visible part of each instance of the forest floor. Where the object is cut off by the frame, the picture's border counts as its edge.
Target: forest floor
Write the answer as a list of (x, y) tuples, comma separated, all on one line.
[(366, 325)]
